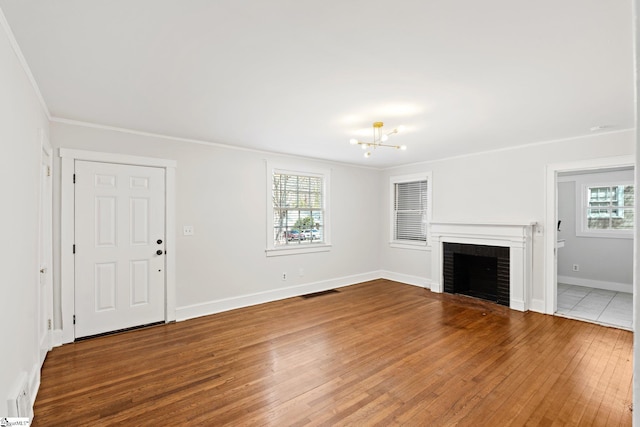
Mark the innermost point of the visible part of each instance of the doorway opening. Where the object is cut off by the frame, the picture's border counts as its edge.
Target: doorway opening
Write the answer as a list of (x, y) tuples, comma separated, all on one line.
[(68, 235), (590, 241)]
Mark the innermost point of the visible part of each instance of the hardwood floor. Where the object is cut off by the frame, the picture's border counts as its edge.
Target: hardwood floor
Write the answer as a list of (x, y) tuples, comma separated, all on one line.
[(377, 353)]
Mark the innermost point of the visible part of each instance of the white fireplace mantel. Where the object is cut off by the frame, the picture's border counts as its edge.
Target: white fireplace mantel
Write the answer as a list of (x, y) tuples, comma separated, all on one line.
[(517, 237)]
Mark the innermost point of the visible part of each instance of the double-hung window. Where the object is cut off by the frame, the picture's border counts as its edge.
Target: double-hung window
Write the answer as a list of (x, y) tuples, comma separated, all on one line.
[(297, 211), (607, 210), (410, 210)]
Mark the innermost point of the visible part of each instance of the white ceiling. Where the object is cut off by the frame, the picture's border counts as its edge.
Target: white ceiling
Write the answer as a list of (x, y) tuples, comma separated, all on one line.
[(303, 77)]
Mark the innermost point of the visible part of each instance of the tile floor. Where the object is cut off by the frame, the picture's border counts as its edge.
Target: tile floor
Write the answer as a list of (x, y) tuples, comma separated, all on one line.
[(608, 308)]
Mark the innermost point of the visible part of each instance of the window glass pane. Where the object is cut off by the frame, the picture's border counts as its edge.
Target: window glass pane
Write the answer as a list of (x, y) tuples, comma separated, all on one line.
[(599, 196), (628, 195), (624, 220), (610, 208), (598, 223), (298, 209)]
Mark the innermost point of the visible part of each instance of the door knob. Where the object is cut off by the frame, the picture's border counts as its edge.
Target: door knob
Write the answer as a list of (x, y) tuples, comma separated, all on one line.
[(159, 241), (159, 252)]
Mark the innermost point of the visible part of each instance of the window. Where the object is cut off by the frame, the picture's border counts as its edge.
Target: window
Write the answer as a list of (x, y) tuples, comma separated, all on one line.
[(411, 210), (608, 210), (298, 220)]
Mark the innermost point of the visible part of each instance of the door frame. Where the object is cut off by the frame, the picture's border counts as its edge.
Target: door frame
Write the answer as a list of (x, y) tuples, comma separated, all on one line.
[(45, 246), (551, 217), (67, 227)]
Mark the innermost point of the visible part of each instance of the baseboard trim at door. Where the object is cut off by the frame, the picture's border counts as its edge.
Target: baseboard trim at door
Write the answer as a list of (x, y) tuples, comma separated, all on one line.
[(57, 338), (537, 305), (226, 304), (598, 284)]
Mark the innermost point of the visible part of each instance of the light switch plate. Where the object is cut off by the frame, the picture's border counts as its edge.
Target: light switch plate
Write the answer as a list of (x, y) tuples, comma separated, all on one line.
[(187, 230)]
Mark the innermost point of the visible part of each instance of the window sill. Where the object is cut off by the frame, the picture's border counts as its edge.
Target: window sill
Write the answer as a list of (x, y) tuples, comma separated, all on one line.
[(295, 250), (412, 246)]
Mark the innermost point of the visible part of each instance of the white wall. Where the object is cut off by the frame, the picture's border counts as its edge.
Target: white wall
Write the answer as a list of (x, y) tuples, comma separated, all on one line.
[(636, 263), (21, 119), (222, 193), (500, 186), (603, 262)]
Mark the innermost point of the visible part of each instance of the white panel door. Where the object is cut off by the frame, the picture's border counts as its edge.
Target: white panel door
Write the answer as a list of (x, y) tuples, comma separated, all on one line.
[(119, 244)]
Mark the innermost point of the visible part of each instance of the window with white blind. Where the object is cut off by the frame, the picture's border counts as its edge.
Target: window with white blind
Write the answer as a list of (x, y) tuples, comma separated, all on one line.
[(410, 210), (607, 210), (297, 211)]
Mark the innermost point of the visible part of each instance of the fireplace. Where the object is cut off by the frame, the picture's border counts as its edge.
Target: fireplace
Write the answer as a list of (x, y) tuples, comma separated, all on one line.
[(478, 271), (496, 254)]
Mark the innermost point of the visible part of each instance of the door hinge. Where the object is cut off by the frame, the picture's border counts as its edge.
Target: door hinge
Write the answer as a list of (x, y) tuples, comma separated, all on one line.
[(74, 178), (74, 319), (48, 170), (49, 324), (74, 248)]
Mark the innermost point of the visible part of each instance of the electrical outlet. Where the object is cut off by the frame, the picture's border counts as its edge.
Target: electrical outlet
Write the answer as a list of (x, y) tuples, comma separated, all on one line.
[(576, 267), (284, 276), (187, 230)]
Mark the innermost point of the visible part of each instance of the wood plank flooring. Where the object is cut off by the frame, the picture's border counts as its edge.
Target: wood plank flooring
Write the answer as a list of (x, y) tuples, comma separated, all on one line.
[(376, 353)]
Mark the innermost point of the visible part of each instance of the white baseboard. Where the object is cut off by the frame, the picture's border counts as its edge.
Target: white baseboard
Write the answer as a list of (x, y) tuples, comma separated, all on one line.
[(407, 279), (22, 394), (226, 304), (57, 338), (517, 305), (537, 305), (34, 386), (610, 286)]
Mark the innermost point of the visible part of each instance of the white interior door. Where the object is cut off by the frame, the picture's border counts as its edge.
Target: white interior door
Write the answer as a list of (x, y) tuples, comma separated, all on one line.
[(119, 246), (45, 254)]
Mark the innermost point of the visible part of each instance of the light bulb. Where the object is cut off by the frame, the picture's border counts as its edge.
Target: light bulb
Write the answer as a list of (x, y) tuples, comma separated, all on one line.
[(403, 147), (353, 141), (384, 137), (367, 154), (365, 146), (401, 128)]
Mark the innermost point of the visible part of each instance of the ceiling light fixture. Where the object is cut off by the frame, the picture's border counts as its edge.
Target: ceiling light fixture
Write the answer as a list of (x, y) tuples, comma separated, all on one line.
[(379, 139)]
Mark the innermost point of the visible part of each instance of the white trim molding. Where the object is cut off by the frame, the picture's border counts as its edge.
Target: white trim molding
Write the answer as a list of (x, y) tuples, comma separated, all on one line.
[(407, 279), (582, 229), (67, 227), (517, 237), (598, 284), (232, 303), (551, 217), (400, 179), (293, 169)]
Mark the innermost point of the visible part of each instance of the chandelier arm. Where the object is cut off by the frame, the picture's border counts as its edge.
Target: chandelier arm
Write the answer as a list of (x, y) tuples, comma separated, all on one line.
[(379, 138)]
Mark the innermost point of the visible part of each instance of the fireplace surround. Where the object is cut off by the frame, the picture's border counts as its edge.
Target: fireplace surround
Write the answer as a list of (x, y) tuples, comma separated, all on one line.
[(515, 241), (478, 271)]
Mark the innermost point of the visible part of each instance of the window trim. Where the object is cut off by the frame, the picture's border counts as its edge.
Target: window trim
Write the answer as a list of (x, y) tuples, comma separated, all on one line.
[(581, 211), (398, 179), (291, 169)]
